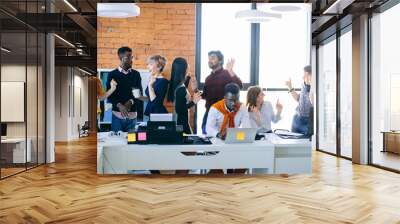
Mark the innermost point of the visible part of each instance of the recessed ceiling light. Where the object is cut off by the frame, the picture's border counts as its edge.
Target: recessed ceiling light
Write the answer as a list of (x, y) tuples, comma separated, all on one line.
[(256, 16), (117, 10), (285, 8)]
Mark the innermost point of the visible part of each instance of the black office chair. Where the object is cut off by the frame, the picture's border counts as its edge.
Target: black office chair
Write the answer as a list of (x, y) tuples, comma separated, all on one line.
[(84, 130)]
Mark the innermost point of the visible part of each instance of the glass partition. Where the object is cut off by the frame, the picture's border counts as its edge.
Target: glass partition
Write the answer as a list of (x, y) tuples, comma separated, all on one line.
[(14, 153), (346, 94), (327, 96), (22, 87), (385, 89)]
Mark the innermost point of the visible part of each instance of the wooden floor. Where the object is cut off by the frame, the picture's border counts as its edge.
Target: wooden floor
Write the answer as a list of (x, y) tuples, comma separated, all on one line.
[(70, 191), (386, 159)]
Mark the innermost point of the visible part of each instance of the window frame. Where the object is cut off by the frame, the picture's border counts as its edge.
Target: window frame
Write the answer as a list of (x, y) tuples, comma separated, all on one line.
[(254, 56), (333, 37), (381, 9)]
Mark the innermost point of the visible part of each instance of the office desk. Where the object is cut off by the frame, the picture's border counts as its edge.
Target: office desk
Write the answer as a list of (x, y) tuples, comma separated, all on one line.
[(115, 156), (13, 150), (391, 141), (291, 155)]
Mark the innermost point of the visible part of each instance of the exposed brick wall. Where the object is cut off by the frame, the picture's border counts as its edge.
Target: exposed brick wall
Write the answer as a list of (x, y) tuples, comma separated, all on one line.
[(162, 28)]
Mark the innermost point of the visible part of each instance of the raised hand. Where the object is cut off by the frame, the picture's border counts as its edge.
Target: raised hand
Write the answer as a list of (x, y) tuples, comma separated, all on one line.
[(152, 80), (229, 66), (196, 97), (193, 81), (278, 106), (113, 84), (289, 83)]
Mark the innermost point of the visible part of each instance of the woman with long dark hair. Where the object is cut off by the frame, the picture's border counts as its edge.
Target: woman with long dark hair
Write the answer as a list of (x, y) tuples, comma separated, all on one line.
[(179, 94)]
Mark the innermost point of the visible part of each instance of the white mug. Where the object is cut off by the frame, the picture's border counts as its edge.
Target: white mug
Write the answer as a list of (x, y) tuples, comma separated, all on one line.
[(136, 93)]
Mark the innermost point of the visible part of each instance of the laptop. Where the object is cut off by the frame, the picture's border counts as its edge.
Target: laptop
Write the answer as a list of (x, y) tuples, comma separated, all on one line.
[(240, 135)]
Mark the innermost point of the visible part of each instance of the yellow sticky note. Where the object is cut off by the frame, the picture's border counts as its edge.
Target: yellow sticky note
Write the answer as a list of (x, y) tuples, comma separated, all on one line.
[(240, 136), (131, 137)]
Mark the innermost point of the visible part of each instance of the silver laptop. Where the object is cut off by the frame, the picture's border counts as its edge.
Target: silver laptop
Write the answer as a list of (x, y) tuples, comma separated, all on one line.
[(240, 135)]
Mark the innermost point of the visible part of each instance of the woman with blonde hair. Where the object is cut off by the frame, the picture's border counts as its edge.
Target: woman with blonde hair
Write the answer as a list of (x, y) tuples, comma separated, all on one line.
[(261, 113), (157, 87)]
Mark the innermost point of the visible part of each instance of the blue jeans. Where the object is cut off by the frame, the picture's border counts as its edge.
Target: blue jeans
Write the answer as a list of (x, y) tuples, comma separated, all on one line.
[(124, 125), (300, 124)]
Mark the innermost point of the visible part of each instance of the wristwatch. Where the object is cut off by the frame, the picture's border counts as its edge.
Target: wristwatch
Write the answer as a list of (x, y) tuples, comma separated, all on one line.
[(291, 90)]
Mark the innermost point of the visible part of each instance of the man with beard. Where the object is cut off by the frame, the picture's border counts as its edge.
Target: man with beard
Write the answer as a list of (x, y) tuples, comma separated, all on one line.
[(125, 106), (215, 83)]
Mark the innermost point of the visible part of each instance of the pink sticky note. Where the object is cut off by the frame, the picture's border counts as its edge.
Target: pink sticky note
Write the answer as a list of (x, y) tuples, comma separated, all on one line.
[(142, 136)]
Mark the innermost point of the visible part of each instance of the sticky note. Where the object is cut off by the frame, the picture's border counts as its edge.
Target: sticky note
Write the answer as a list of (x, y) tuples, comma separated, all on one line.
[(240, 136), (142, 136), (131, 137)]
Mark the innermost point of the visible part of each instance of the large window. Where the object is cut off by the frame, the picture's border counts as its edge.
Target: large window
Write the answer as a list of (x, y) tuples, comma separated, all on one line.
[(327, 96), (221, 31), (284, 48), (284, 51), (385, 88), (282, 42), (346, 93)]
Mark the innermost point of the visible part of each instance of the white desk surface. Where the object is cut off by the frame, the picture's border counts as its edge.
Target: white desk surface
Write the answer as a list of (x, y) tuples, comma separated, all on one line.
[(14, 140), (277, 154), (106, 141), (276, 140)]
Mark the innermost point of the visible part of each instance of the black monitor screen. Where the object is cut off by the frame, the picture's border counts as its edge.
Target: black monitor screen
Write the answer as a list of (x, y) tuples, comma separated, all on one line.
[(3, 129)]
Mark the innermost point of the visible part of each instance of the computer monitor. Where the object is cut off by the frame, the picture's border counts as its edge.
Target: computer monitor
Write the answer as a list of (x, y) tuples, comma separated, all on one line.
[(3, 130)]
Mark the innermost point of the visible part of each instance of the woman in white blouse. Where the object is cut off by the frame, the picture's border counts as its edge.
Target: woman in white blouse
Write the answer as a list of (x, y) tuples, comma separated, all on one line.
[(261, 113)]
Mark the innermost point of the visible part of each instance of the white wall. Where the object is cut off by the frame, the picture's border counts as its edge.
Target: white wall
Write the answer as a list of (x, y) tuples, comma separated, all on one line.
[(71, 102), (33, 126), (16, 73)]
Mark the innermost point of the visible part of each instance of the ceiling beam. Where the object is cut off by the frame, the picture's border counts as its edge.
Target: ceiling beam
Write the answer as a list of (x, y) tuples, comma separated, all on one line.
[(84, 24), (81, 61)]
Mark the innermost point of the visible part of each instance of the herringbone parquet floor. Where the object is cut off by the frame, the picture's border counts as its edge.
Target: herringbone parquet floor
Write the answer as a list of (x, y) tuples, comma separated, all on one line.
[(70, 191)]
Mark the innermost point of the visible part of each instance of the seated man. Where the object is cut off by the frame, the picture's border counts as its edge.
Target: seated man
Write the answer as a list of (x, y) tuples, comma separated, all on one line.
[(227, 113)]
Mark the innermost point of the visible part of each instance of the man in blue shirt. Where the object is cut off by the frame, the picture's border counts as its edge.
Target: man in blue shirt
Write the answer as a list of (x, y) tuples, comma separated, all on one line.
[(301, 120), (125, 106)]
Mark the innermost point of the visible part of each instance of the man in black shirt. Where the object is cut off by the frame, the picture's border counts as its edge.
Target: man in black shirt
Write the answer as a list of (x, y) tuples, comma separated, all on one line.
[(125, 106)]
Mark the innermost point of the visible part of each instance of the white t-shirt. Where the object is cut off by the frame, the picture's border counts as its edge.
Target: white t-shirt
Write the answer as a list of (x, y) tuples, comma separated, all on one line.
[(215, 119)]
